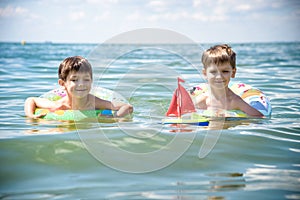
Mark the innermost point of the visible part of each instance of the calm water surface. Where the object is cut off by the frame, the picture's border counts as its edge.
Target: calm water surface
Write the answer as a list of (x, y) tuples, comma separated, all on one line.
[(254, 159)]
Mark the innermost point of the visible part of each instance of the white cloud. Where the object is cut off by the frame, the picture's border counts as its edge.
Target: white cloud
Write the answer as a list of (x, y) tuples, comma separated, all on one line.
[(168, 16), (199, 16), (10, 11), (75, 16), (157, 5), (102, 1), (209, 18), (190, 17), (243, 7), (134, 16), (196, 3), (103, 16), (201, 3), (183, 15)]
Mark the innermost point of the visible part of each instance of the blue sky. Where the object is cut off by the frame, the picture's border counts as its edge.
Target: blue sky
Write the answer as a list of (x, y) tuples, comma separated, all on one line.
[(95, 21)]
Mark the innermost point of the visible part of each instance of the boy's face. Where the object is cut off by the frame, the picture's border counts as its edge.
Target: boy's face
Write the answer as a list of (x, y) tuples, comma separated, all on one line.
[(219, 76), (77, 84)]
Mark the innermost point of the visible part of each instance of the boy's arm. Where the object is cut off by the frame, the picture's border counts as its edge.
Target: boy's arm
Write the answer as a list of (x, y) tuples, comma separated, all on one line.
[(32, 103), (200, 102), (121, 108), (246, 108)]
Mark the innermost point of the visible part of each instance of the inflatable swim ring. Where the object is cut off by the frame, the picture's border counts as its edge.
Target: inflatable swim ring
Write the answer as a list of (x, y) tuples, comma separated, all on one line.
[(71, 115), (253, 96)]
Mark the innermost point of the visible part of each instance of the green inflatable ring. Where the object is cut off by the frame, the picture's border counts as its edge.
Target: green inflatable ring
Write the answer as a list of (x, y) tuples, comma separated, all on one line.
[(77, 115)]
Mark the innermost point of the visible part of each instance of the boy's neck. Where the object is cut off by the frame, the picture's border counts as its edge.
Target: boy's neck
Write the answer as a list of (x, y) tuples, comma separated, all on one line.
[(219, 93)]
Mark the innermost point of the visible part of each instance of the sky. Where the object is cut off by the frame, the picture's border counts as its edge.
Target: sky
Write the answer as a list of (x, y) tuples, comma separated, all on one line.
[(96, 21)]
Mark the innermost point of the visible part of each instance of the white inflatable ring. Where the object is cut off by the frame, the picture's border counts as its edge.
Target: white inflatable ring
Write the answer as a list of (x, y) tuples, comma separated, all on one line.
[(253, 96)]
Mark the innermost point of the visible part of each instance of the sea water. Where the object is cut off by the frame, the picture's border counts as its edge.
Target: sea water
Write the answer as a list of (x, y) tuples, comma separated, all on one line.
[(141, 158)]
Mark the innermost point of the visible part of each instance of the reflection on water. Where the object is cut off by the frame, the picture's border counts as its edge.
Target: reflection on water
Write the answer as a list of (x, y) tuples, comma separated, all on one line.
[(211, 187), (227, 181), (270, 177), (223, 123), (214, 124), (43, 126)]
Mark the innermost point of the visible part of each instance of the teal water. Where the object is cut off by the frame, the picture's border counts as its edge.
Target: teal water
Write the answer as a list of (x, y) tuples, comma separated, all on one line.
[(142, 159)]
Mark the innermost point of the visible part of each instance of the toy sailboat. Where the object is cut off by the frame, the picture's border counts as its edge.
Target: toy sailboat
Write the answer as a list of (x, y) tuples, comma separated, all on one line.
[(180, 105)]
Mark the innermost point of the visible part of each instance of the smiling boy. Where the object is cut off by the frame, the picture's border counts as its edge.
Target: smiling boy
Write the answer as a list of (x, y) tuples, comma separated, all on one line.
[(219, 66), (75, 76)]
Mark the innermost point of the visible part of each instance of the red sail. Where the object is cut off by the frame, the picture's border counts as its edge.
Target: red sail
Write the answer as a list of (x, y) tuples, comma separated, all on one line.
[(181, 102)]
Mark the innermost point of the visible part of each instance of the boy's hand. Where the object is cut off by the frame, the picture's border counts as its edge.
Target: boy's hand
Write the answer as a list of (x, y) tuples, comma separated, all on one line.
[(124, 110), (39, 115)]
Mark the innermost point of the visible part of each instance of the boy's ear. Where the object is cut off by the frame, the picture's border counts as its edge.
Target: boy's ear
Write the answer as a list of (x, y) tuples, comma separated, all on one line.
[(61, 82), (233, 73), (204, 72)]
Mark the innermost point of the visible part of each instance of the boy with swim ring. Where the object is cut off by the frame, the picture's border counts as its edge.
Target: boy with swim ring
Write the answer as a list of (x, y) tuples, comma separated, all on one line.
[(219, 66), (76, 77)]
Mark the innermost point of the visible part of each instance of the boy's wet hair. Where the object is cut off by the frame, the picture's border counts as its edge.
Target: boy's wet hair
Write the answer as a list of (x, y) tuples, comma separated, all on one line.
[(74, 63), (218, 55)]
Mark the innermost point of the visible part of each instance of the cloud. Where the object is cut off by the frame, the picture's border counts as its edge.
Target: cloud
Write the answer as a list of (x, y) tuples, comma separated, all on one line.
[(103, 16), (157, 5), (188, 16), (102, 1), (75, 16), (183, 15), (10, 11), (134, 16), (243, 7)]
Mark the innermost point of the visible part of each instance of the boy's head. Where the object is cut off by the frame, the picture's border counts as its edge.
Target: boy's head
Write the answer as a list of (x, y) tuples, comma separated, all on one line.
[(219, 55), (74, 64)]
